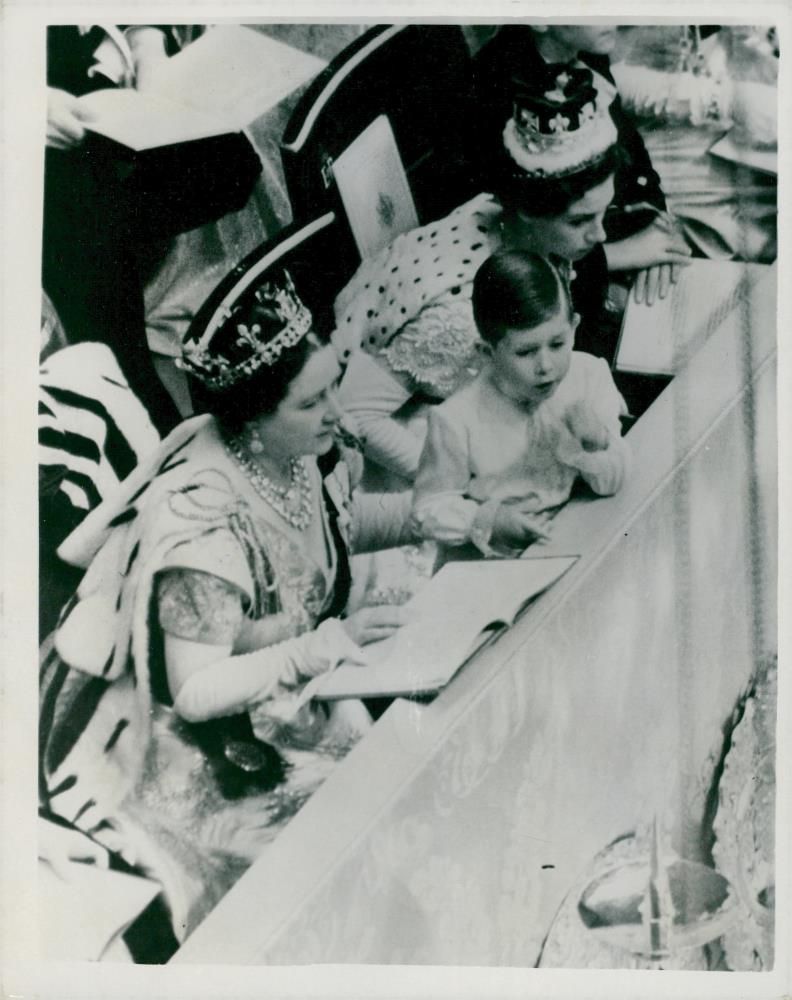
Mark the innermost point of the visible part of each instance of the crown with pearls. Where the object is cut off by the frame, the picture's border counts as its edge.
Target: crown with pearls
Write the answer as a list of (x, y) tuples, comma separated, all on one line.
[(229, 352), (561, 127)]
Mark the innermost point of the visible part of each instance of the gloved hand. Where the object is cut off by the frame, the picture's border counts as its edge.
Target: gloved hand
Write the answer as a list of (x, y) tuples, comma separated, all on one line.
[(234, 683)]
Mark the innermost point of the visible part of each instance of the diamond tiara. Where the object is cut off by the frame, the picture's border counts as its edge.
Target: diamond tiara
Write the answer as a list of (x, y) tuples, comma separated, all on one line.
[(561, 130), (245, 353)]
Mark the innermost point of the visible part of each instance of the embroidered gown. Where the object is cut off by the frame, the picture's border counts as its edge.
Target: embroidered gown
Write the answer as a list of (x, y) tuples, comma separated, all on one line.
[(187, 547)]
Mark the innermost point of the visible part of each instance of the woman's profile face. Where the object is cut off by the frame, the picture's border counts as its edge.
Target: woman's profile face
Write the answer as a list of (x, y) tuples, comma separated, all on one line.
[(304, 421), (573, 233)]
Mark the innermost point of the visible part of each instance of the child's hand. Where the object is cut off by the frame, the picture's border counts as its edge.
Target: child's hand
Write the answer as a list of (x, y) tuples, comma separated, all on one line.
[(514, 528), (587, 427)]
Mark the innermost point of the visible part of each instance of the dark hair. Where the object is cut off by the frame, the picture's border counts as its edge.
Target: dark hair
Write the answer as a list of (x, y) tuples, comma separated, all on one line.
[(264, 390), (515, 290), (547, 196)]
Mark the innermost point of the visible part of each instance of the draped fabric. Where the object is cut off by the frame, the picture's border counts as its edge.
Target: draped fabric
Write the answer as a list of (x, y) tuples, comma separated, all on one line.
[(92, 428), (92, 431), (116, 761), (726, 211)]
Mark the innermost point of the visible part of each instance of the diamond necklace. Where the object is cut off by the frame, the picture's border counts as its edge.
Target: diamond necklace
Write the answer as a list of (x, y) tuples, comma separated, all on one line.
[(294, 502)]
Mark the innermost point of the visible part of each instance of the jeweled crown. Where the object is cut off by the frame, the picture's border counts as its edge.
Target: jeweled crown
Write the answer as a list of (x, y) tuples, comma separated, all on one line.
[(229, 352), (560, 126)]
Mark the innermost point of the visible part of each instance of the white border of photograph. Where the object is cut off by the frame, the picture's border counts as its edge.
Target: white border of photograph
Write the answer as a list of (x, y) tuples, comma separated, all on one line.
[(23, 109)]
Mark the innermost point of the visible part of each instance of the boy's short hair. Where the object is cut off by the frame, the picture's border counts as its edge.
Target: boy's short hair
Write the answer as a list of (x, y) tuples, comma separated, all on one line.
[(516, 290)]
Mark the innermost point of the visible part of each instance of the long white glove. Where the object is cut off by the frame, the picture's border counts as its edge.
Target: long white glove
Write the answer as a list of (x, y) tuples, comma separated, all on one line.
[(234, 683)]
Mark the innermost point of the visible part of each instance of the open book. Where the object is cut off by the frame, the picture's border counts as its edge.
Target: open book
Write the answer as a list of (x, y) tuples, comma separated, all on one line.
[(458, 610), (220, 83), (659, 339)]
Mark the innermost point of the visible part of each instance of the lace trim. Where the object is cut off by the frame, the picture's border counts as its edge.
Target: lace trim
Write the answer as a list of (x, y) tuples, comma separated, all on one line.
[(440, 350), (198, 606)]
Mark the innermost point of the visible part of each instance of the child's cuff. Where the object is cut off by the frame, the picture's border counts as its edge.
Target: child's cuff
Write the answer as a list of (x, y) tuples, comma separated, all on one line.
[(570, 452), (594, 463), (482, 527)]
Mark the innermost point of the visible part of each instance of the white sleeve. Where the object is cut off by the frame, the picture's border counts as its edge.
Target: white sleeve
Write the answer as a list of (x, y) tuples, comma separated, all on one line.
[(371, 396), (235, 683), (605, 470), (605, 398), (441, 510), (381, 521)]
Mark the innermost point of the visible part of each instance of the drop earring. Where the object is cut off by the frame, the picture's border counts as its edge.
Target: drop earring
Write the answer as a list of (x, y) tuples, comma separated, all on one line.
[(255, 444)]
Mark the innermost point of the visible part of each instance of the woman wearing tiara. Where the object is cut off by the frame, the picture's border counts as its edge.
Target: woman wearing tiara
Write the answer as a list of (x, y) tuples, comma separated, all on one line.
[(409, 307), (517, 55), (177, 727)]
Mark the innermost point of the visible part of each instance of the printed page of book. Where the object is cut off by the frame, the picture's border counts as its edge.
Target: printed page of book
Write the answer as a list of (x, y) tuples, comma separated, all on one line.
[(236, 73), (221, 82), (658, 339), (449, 617), (374, 188), (147, 121)]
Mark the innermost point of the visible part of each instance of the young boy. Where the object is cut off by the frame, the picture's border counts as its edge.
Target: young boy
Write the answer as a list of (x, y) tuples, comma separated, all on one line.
[(503, 453)]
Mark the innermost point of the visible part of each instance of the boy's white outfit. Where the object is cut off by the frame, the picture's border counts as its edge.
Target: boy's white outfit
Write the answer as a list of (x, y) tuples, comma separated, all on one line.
[(484, 449)]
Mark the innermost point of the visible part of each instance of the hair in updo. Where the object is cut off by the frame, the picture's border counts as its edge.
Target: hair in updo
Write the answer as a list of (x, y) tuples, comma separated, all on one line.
[(262, 392), (547, 196), (516, 290)]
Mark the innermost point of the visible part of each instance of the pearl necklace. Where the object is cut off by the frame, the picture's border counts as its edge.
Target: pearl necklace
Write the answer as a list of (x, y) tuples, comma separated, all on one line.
[(294, 502)]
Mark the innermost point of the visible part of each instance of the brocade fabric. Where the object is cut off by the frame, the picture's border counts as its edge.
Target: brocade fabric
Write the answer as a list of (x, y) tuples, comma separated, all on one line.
[(199, 606)]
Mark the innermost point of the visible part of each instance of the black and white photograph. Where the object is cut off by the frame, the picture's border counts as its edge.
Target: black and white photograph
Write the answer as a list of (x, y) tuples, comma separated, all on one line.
[(402, 548)]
